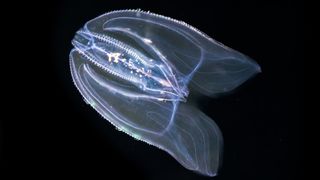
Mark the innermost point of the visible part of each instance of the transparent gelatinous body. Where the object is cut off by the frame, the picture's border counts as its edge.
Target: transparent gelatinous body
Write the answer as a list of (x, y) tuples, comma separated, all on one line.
[(137, 69)]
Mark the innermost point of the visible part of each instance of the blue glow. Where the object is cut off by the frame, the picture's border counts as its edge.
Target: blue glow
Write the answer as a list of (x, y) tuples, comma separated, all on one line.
[(137, 69)]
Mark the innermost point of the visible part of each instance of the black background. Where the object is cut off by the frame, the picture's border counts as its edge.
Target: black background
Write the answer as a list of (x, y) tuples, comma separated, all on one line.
[(51, 131)]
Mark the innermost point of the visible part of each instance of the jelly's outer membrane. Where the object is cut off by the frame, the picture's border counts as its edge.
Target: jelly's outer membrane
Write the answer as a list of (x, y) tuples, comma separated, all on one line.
[(136, 69)]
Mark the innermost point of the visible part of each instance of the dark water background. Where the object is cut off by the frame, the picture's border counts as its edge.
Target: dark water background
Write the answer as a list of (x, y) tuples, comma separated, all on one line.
[(53, 132)]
